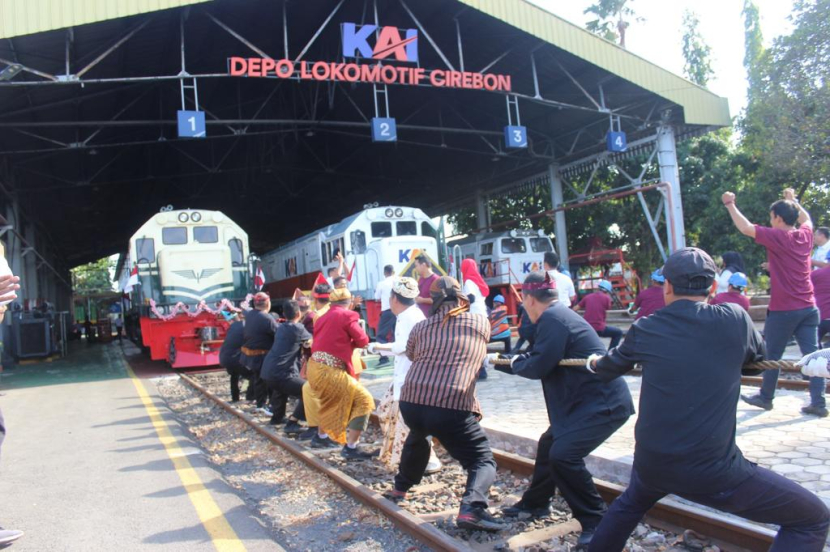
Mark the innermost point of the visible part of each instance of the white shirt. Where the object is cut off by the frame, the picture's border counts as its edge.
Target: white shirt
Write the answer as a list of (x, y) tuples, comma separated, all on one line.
[(723, 281), (383, 291), (478, 306), (403, 327), (564, 286), (821, 252)]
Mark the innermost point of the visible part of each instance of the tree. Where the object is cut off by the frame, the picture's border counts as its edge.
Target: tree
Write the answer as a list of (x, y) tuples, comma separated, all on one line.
[(696, 52), (754, 54), (611, 20), (93, 277)]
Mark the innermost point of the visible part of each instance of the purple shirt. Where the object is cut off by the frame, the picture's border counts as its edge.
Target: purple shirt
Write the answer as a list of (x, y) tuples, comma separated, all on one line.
[(821, 285), (596, 307), (649, 301), (423, 291), (731, 297), (788, 255)]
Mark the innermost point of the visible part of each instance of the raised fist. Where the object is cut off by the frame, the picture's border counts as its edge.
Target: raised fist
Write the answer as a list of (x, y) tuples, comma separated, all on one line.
[(727, 198)]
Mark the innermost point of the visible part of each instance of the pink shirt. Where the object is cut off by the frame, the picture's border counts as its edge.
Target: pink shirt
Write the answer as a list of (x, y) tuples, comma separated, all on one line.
[(731, 297), (596, 306), (423, 291), (649, 301), (821, 285), (788, 254)]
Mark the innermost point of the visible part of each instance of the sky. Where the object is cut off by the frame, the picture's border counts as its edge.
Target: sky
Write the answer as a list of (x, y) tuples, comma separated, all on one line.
[(659, 38)]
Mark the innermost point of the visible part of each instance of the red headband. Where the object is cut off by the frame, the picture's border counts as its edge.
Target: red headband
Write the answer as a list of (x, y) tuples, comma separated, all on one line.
[(547, 283), (321, 295)]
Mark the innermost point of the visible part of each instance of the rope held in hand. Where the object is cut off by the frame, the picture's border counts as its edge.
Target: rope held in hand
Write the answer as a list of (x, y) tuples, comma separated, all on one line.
[(784, 365)]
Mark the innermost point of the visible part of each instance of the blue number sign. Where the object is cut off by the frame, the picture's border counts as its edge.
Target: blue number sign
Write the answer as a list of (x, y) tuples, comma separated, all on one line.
[(384, 129), (515, 136), (615, 141), (191, 124)]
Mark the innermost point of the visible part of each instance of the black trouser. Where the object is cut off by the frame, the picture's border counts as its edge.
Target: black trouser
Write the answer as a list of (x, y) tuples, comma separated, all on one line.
[(505, 341), (766, 497), (460, 434), (823, 329), (237, 372), (259, 391), (386, 326), (280, 390), (560, 463), (614, 333)]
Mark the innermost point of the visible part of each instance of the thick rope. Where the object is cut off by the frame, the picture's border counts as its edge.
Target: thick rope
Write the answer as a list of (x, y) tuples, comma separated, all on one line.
[(784, 365)]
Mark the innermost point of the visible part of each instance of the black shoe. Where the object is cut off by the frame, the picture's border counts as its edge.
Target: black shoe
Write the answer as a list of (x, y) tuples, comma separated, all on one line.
[(308, 434), (819, 411), (482, 374), (522, 511), (277, 421), (293, 427), (326, 443), (479, 519), (757, 400), (584, 539), (383, 361), (395, 496), (357, 453)]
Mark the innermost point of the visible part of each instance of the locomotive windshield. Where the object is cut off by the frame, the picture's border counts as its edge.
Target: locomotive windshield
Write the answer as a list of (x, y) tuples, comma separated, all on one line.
[(145, 250), (174, 236), (428, 230), (407, 228), (381, 229), (540, 245), (205, 234), (513, 245)]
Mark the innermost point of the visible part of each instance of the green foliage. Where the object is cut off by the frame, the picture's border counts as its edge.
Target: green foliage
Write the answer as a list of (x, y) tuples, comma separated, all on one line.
[(611, 20), (754, 54), (696, 52), (93, 277)]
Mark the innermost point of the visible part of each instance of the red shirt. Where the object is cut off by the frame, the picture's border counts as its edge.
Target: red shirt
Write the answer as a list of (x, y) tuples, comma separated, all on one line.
[(821, 285), (338, 333), (423, 291), (788, 254), (731, 296), (596, 306), (649, 301)]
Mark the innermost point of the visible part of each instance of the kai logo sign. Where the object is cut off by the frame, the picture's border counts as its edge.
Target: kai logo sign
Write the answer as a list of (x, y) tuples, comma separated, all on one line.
[(389, 42)]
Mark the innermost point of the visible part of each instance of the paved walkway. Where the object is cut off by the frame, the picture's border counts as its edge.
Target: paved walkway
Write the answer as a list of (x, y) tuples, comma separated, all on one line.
[(783, 439), (94, 461)]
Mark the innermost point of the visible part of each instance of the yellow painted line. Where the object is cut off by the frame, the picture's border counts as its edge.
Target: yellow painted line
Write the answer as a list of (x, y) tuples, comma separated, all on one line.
[(221, 533)]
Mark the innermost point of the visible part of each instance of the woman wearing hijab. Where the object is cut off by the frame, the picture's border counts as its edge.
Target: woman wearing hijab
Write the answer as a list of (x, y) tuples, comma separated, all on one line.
[(732, 263), (474, 287)]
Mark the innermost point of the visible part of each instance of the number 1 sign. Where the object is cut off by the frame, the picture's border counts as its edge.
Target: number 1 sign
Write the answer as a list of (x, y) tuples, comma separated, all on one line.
[(191, 124), (384, 129)]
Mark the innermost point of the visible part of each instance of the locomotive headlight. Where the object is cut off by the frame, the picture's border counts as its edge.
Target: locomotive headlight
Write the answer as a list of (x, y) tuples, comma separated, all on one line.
[(513, 234), (196, 216), (398, 212), (183, 217), (389, 213)]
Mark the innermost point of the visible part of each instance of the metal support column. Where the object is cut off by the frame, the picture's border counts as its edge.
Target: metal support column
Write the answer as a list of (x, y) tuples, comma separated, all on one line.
[(557, 199), (667, 159), (482, 211)]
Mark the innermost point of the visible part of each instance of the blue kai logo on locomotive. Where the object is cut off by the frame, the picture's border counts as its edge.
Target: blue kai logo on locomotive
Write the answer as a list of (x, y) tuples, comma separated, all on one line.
[(527, 268), (403, 255)]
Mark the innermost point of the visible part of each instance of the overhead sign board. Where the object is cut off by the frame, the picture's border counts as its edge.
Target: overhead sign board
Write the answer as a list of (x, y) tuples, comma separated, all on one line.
[(389, 42), (191, 124), (384, 129)]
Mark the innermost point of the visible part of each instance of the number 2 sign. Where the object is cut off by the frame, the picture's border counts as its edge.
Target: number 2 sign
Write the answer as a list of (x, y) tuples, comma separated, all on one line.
[(191, 124), (384, 129), (515, 136)]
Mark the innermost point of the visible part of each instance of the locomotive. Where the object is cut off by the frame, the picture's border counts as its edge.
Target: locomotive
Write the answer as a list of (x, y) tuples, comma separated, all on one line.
[(189, 265), (368, 241)]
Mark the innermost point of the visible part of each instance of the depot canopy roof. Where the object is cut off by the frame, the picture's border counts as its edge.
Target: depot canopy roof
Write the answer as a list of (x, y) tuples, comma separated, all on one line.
[(90, 138)]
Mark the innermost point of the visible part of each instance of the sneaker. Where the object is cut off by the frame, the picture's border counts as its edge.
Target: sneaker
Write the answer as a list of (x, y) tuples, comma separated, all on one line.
[(326, 443), (479, 519), (433, 466), (308, 434), (8, 536), (819, 411), (265, 410), (275, 421), (292, 428), (757, 400), (395, 496), (357, 453), (520, 510)]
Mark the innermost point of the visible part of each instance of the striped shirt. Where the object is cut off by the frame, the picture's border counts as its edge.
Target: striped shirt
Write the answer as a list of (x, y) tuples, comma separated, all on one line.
[(446, 358)]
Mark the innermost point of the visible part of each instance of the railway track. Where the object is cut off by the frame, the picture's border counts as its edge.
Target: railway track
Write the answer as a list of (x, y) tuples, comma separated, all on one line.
[(433, 526)]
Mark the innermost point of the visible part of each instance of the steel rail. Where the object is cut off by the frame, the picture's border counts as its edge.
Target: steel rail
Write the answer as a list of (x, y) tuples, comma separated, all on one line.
[(419, 529)]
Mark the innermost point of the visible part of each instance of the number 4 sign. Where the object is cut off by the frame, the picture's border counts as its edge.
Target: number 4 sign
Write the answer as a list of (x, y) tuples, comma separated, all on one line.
[(515, 136), (191, 124), (384, 129), (615, 141)]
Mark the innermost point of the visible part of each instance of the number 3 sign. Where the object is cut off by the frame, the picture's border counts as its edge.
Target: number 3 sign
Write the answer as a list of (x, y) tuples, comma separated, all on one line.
[(384, 129), (515, 136), (191, 124)]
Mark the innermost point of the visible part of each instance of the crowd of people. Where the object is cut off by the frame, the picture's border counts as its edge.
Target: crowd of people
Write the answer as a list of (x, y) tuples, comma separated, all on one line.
[(691, 336)]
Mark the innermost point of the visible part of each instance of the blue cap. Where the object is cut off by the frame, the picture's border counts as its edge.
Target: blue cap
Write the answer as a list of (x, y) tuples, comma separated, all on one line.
[(657, 276), (498, 299), (605, 285), (228, 315), (738, 280)]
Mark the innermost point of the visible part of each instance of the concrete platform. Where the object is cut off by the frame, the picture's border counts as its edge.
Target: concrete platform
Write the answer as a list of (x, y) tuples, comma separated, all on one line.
[(94, 461)]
